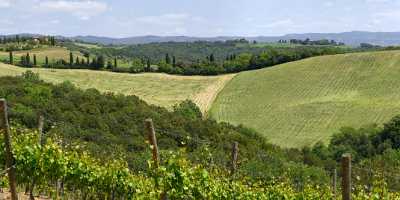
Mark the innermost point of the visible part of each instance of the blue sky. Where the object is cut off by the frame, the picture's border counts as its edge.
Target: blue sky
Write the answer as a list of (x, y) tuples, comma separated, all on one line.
[(122, 18)]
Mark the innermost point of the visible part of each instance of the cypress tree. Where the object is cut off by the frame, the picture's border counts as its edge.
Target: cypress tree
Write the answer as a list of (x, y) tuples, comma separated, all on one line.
[(77, 61), (52, 41), (115, 63), (71, 59), (11, 58), (23, 60), (109, 65), (173, 61), (83, 62), (88, 60), (148, 65), (100, 62), (167, 59), (34, 60), (28, 59), (212, 59), (94, 63), (46, 60)]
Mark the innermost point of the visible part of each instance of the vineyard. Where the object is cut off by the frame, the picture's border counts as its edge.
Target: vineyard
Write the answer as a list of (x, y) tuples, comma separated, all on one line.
[(45, 167), (300, 103)]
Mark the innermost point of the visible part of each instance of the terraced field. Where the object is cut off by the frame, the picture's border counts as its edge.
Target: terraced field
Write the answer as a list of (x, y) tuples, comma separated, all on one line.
[(300, 103), (159, 89)]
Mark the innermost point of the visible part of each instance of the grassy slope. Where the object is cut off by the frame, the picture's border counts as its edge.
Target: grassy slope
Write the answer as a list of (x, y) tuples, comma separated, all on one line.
[(160, 89), (302, 102)]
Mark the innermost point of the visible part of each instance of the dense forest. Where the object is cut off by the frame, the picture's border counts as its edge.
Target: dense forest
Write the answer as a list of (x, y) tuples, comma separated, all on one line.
[(112, 126)]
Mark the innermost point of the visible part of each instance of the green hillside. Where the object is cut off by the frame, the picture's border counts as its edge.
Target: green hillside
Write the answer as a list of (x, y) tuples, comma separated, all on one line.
[(300, 103)]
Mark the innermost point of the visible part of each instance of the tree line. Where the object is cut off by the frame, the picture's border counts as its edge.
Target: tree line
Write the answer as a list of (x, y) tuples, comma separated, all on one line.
[(308, 41), (48, 40), (210, 64), (213, 58), (17, 43), (74, 62)]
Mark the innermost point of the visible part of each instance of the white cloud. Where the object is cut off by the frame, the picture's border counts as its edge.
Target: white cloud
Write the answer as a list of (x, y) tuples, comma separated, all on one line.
[(378, 1), (177, 31), (82, 9), (328, 4), (278, 24), (6, 22), (388, 15), (55, 21), (174, 19), (5, 3)]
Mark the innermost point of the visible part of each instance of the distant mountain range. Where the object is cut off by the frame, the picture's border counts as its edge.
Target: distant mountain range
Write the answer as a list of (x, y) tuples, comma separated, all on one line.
[(353, 38)]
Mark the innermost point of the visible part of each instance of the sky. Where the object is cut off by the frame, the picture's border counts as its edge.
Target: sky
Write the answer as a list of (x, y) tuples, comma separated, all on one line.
[(124, 18)]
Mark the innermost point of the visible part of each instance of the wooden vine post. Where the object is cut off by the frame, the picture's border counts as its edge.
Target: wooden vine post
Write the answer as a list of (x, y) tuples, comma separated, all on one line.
[(346, 177), (235, 152), (5, 128), (151, 134), (40, 130), (334, 180)]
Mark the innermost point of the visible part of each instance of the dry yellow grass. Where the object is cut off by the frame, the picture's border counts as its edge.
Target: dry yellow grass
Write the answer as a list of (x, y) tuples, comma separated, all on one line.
[(205, 98), (155, 88)]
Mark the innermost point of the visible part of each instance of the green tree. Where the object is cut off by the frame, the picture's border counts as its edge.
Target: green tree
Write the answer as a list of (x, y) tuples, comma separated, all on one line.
[(52, 41), (188, 109), (46, 60), (77, 61), (148, 65), (34, 60), (87, 59), (93, 64), (137, 63), (167, 59), (109, 65), (28, 59), (391, 133), (71, 59), (23, 60), (212, 58), (173, 61), (100, 62), (115, 63), (11, 58)]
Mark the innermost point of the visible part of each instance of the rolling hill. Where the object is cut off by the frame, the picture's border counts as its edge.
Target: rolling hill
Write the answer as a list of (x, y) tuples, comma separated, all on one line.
[(300, 103), (159, 89), (293, 104), (353, 38)]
